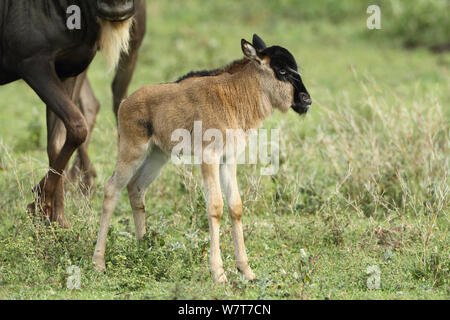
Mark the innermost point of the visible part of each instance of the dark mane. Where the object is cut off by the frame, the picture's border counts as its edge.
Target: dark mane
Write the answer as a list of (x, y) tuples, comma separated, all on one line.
[(231, 68)]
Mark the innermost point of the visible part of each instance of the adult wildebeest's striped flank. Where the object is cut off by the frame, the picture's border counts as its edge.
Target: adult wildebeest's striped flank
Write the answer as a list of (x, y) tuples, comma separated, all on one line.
[(238, 96)]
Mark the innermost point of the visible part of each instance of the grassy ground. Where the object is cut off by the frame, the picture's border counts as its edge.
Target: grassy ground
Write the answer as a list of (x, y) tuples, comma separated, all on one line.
[(363, 178)]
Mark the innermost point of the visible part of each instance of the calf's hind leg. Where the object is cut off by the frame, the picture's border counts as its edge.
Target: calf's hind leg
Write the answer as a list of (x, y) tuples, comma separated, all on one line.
[(130, 157), (147, 173)]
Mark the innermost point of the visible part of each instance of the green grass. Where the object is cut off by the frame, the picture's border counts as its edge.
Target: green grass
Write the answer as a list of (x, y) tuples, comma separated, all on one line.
[(363, 178)]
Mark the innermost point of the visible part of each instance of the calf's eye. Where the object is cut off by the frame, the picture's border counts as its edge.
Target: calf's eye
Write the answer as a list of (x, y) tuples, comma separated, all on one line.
[(282, 72)]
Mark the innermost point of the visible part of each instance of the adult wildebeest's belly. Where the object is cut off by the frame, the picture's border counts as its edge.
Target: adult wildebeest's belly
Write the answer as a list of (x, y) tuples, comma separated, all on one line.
[(72, 62), (6, 77), (68, 63)]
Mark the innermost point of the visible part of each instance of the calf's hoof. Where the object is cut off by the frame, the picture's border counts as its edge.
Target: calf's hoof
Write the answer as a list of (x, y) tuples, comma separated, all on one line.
[(220, 277), (247, 272), (249, 275), (99, 263)]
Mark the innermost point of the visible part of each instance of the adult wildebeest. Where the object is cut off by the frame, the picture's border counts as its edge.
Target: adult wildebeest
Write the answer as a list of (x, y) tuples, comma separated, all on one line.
[(239, 96), (37, 46)]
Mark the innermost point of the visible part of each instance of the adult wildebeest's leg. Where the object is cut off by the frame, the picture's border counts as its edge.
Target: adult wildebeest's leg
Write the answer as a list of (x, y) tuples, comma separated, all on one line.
[(214, 207), (122, 78), (56, 136), (147, 173), (230, 188), (41, 76), (131, 154), (127, 62), (90, 106)]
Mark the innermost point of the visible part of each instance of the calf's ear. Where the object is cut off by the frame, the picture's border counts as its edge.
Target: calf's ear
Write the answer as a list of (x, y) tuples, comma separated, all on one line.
[(258, 43), (249, 50)]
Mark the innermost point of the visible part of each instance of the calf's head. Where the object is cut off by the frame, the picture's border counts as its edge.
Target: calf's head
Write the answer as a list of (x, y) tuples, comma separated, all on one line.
[(280, 78), (115, 10)]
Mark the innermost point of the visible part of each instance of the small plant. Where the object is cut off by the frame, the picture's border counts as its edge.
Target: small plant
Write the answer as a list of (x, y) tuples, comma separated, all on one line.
[(307, 268), (435, 268)]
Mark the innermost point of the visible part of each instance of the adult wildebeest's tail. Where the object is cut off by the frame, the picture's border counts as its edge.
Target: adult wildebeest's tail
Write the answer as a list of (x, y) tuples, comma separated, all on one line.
[(114, 39)]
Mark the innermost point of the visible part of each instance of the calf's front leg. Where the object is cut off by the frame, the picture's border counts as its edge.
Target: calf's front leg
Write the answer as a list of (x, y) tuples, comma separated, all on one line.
[(231, 190), (214, 206)]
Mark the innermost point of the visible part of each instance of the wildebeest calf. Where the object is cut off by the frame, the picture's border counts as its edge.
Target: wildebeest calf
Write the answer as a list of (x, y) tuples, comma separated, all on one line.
[(238, 96)]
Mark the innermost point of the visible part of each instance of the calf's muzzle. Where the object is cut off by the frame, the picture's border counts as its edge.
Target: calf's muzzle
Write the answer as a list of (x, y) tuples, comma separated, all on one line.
[(303, 104)]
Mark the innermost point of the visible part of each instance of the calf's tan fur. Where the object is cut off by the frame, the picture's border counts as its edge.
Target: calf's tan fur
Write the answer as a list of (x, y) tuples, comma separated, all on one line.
[(239, 96)]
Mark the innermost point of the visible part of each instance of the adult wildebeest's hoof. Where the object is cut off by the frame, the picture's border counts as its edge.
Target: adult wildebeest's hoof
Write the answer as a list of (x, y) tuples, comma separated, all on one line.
[(31, 209), (84, 178), (61, 220), (87, 182), (46, 213)]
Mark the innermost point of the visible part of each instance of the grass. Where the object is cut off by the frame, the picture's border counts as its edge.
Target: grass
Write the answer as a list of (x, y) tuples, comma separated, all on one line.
[(363, 178)]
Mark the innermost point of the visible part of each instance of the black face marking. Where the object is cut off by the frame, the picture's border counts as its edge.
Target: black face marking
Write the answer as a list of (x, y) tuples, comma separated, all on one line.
[(285, 69), (147, 125), (281, 60)]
